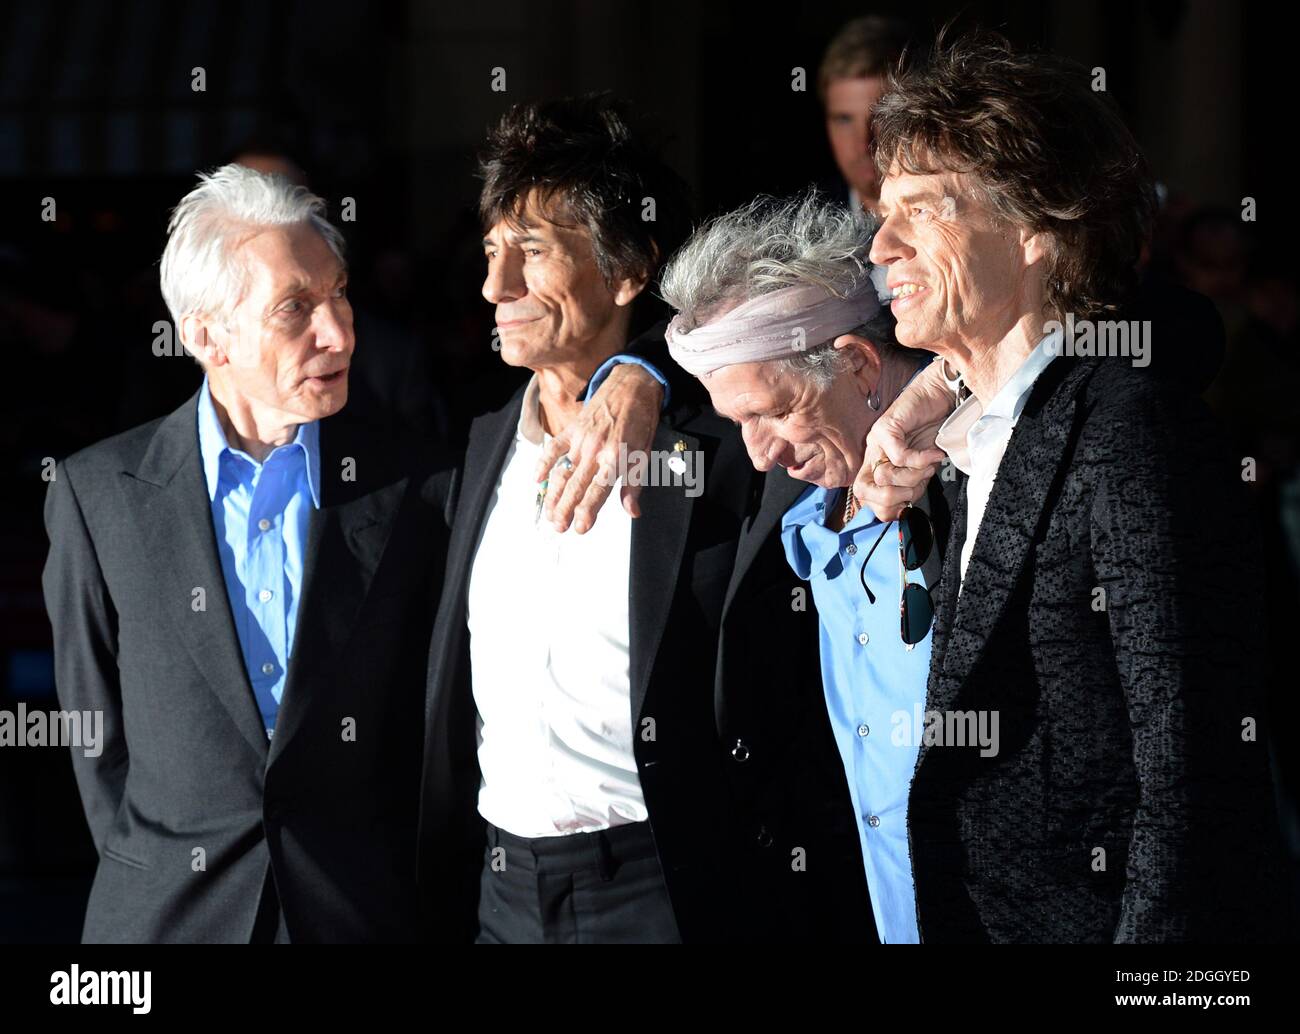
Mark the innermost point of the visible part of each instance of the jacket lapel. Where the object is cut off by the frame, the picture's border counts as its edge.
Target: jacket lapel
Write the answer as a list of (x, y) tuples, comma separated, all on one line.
[(490, 438), (945, 593), (345, 543), (780, 491), (658, 545), (1011, 522), (176, 518)]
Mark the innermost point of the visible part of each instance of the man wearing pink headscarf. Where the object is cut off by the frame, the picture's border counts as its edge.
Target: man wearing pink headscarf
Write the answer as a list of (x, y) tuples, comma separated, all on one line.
[(780, 320)]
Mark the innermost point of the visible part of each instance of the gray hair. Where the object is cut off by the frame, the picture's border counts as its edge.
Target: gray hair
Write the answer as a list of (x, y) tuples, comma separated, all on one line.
[(200, 272), (768, 245)]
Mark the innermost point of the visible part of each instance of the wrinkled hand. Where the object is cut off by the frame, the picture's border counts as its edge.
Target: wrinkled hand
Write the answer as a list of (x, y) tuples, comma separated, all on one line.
[(901, 457), (625, 410)]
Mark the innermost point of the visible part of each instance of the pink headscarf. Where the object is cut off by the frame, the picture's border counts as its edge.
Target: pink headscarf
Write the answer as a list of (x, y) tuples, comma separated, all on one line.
[(771, 326)]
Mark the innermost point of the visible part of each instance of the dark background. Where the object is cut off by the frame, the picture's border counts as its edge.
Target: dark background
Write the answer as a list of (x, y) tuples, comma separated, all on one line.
[(386, 104)]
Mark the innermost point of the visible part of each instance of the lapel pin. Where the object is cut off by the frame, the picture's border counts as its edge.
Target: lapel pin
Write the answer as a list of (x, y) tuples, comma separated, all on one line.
[(677, 462)]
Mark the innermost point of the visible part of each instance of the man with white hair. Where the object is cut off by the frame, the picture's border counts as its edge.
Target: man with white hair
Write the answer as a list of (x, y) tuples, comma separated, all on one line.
[(779, 319), (245, 590)]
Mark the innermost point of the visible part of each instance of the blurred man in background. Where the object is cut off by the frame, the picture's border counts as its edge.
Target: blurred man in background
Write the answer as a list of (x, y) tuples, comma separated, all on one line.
[(850, 81)]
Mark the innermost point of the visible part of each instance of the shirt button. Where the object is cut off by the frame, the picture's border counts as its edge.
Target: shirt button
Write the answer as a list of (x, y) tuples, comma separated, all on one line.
[(851, 549), (265, 595), (873, 821), (863, 638), (264, 524), (864, 729), (268, 668)]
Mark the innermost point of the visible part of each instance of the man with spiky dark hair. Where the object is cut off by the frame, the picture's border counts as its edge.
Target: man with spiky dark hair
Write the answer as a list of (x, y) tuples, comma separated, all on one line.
[(588, 162), (587, 777)]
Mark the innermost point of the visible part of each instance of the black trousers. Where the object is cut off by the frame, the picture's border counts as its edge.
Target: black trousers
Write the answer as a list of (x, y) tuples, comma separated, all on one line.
[(604, 887)]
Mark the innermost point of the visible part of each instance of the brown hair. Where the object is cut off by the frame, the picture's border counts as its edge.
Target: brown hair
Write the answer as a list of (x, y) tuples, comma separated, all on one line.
[(863, 48), (1046, 150)]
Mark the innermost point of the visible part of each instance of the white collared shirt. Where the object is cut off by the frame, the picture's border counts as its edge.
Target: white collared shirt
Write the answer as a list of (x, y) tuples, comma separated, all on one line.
[(549, 655), (976, 439)]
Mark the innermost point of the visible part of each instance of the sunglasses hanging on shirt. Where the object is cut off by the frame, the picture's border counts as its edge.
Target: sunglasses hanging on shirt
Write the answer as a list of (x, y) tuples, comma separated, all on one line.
[(915, 605)]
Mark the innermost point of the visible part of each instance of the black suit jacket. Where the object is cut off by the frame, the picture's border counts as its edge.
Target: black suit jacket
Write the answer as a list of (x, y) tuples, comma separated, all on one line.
[(186, 763), (1125, 803), (703, 624)]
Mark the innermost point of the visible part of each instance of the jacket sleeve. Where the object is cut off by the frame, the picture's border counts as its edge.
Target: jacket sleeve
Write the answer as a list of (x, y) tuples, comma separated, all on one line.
[(84, 623), (1171, 546)]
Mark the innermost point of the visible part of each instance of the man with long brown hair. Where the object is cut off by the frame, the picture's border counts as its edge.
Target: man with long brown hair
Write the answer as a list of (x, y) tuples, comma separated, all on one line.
[(1101, 583)]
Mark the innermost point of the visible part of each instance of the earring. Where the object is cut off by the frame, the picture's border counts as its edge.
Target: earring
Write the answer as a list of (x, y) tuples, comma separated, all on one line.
[(873, 400)]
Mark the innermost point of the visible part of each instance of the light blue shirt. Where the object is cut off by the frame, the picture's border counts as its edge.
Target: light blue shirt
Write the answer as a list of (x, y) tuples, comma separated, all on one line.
[(874, 686), (603, 371), (261, 513)]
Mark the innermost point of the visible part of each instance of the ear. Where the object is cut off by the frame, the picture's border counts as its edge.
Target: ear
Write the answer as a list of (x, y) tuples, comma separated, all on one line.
[(1037, 247), (627, 289), (864, 357), (204, 339)]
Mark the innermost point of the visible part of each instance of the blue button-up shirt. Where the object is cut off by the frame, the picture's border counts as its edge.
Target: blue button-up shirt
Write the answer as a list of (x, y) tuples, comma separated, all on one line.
[(874, 686), (261, 512)]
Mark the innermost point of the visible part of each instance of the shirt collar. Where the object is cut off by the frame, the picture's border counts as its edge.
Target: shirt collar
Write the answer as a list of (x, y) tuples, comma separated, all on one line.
[(1012, 396), (810, 546), (213, 445), (530, 413), (1007, 404)]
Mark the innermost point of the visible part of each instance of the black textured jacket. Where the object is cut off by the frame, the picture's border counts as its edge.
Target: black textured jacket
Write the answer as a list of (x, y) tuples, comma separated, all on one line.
[(1109, 615)]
